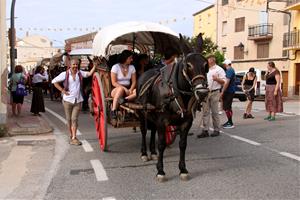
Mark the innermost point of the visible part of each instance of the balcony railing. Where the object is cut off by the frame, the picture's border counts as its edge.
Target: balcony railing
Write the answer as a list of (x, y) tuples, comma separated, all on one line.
[(260, 32), (292, 2), (291, 40)]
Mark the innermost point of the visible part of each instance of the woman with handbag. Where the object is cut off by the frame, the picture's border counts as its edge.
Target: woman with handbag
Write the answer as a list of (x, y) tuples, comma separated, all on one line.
[(17, 99), (37, 103)]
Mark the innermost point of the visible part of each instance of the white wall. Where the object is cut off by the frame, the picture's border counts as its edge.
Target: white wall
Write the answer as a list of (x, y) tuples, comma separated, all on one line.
[(3, 61)]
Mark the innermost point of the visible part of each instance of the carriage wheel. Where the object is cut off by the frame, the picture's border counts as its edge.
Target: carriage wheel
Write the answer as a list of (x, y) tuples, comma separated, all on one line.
[(170, 135), (99, 108)]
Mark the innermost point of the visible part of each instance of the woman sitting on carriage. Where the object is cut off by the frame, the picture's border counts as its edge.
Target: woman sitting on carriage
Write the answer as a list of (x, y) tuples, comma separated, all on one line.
[(123, 79)]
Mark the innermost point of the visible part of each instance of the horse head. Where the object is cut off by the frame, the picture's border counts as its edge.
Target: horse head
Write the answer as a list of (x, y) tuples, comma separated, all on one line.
[(194, 68)]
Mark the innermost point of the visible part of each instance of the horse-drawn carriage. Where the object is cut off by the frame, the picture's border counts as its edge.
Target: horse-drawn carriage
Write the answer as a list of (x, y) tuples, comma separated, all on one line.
[(147, 38), (186, 84)]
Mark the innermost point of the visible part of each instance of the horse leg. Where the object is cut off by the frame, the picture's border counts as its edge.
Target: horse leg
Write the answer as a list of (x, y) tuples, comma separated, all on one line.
[(143, 128), (161, 148), (152, 144), (184, 174)]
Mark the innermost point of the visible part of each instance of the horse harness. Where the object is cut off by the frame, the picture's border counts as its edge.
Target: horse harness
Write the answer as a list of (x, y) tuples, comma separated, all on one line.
[(170, 90)]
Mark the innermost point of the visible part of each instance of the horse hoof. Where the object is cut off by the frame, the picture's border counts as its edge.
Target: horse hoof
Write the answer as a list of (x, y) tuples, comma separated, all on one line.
[(144, 158), (161, 178), (153, 157), (184, 177)]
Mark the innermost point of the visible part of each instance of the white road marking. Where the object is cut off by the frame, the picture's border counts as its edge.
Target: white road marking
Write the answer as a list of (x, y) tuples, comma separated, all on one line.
[(60, 118), (86, 146), (99, 170), (289, 155), (283, 114), (109, 198), (286, 154), (56, 115), (245, 140)]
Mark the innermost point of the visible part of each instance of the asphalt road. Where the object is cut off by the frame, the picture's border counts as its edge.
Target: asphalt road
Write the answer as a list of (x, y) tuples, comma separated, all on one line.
[(256, 160)]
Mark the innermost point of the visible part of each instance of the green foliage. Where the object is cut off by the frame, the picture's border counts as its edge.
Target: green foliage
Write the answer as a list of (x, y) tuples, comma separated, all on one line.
[(3, 130), (209, 47)]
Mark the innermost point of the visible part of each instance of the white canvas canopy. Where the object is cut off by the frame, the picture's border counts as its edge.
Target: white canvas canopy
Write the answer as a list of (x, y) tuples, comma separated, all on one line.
[(138, 33)]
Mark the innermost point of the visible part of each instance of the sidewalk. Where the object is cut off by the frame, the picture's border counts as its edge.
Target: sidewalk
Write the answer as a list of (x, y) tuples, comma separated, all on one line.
[(27, 124)]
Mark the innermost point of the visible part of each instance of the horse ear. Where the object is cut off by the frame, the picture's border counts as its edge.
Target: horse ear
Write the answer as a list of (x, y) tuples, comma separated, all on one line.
[(185, 48), (199, 42)]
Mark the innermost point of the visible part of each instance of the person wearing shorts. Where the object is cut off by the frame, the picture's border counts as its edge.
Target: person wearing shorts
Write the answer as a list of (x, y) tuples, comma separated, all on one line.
[(228, 93), (248, 87)]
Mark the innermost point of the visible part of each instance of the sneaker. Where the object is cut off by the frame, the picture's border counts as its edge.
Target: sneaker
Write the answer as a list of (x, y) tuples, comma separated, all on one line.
[(272, 119), (215, 133), (75, 141), (203, 134), (225, 123), (250, 116), (228, 125), (267, 118)]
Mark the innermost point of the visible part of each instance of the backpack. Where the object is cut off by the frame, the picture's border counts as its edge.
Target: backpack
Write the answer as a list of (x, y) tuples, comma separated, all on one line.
[(66, 82), (21, 89)]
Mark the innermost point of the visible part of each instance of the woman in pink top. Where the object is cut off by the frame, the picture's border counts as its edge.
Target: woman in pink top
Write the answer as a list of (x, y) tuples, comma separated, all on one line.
[(123, 79)]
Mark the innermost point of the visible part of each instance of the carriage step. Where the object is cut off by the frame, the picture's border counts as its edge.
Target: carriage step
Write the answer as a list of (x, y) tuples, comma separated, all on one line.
[(137, 106)]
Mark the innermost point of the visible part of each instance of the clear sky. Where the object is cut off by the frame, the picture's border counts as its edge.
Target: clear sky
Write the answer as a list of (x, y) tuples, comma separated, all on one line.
[(62, 19)]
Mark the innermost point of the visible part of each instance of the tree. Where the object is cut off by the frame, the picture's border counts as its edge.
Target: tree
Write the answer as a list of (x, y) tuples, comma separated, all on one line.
[(209, 47)]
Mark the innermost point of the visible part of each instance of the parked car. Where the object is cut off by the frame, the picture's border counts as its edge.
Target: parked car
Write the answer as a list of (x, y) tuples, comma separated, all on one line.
[(260, 89)]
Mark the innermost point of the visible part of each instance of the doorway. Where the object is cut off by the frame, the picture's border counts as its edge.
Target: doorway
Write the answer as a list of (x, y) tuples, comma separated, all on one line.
[(285, 81), (297, 78)]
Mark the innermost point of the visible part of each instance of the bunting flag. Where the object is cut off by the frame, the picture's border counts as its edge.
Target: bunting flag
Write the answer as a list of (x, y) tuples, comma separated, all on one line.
[(86, 29)]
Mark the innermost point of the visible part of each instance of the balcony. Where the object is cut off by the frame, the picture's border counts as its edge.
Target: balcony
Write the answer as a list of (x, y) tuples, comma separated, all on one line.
[(291, 41), (293, 5), (260, 32)]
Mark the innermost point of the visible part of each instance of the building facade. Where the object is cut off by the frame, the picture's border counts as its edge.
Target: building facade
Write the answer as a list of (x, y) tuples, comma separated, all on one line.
[(3, 64), (32, 49), (251, 35), (291, 43), (80, 42), (205, 21)]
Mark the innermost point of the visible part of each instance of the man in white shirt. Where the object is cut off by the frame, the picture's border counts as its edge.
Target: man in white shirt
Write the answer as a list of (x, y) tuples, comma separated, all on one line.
[(216, 78), (72, 97)]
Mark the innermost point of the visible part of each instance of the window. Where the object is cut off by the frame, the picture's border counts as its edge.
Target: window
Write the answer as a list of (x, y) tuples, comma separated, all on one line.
[(224, 28), (284, 53), (200, 22), (208, 19), (240, 24), (263, 50), (238, 53), (224, 2), (224, 50)]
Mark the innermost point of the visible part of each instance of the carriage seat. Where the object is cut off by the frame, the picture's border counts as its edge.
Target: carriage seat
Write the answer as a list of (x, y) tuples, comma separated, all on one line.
[(137, 106)]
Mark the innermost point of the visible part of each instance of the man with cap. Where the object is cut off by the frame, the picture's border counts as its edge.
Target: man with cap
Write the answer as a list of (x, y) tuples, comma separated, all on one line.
[(228, 93), (215, 79)]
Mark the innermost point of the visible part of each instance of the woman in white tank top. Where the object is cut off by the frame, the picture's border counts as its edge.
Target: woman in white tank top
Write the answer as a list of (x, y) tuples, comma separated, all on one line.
[(123, 79)]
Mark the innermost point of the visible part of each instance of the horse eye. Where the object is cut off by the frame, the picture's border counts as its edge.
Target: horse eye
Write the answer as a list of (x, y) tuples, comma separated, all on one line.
[(190, 66)]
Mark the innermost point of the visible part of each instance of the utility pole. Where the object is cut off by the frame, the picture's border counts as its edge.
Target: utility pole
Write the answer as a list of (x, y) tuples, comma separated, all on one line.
[(12, 37)]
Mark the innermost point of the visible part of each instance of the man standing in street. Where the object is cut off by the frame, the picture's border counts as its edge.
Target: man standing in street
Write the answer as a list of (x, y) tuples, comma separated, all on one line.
[(215, 78), (228, 93)]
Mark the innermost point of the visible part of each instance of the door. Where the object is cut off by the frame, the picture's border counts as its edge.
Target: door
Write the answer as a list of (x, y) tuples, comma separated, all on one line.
[(285, 76), (297, 79)]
